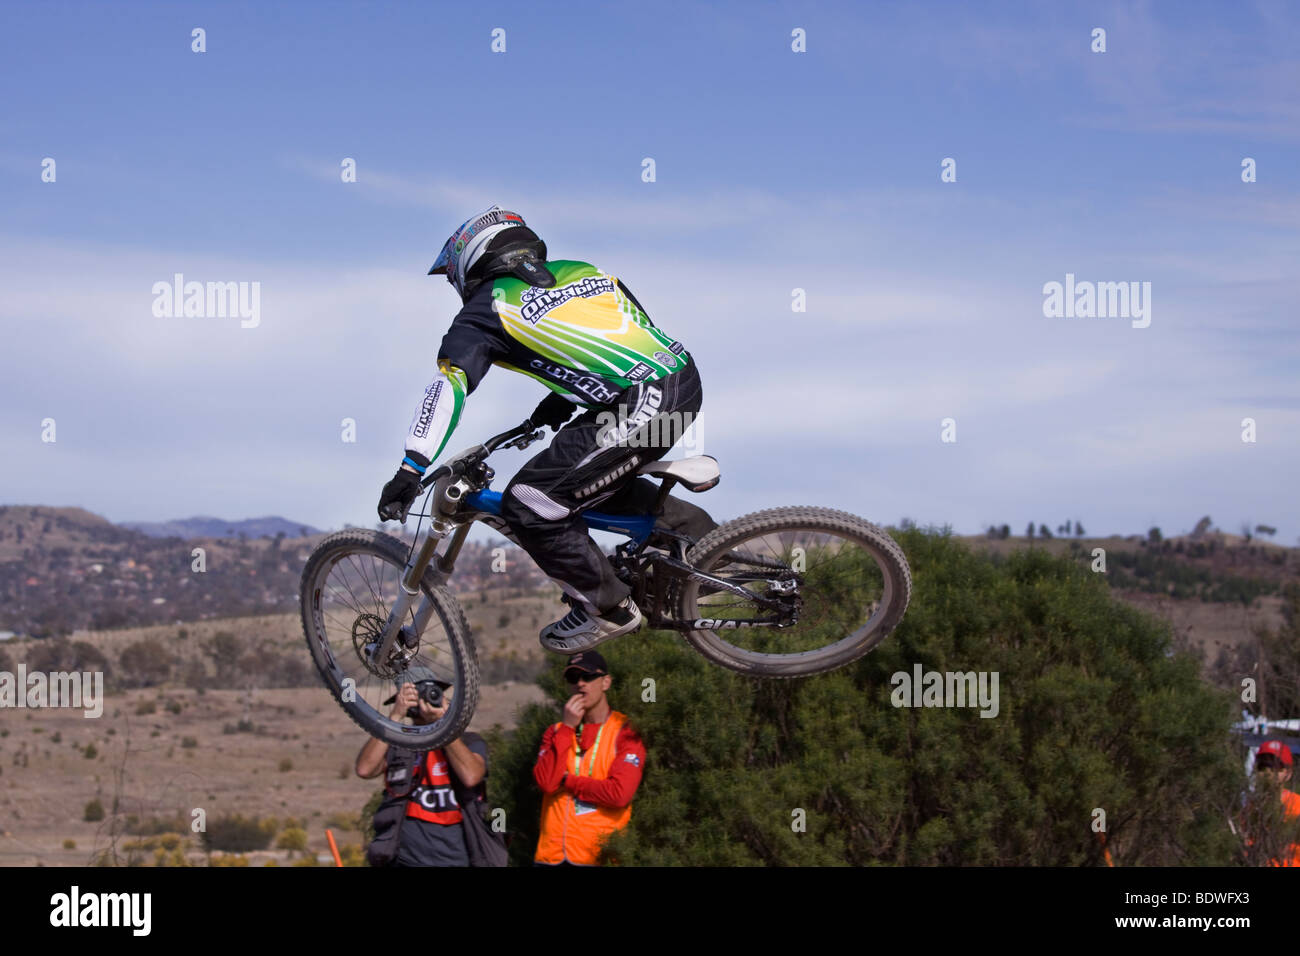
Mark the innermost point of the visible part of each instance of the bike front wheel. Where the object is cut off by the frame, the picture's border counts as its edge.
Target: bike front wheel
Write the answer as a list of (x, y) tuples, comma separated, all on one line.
[(818, 589), (349, 585)]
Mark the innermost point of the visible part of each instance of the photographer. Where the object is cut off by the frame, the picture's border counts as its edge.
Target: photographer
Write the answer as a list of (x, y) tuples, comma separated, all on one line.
[(432, 832)]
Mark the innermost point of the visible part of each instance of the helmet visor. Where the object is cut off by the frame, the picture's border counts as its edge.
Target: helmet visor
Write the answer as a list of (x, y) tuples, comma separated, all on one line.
[(444, 258)]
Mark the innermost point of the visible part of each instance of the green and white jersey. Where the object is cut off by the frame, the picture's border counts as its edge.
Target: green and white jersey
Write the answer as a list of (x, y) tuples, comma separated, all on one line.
[(586, 337)]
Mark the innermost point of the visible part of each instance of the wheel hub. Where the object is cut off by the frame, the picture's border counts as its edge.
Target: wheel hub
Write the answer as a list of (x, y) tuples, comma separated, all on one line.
[(367, 630)]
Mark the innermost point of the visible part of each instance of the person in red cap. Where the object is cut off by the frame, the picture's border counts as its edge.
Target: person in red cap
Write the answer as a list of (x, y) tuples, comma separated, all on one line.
[(588, 768), (1273, 765)]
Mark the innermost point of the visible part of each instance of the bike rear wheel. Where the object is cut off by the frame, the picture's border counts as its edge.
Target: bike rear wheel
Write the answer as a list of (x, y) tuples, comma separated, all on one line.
[(823, 587), (349, 585)]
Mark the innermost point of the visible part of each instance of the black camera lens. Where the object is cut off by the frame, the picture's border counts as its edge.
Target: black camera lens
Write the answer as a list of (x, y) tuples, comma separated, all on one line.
[(430, 693)]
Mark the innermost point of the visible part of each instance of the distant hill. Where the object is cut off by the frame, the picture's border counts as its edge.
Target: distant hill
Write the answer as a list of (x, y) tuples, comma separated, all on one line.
[(66, 569), (203, 526)]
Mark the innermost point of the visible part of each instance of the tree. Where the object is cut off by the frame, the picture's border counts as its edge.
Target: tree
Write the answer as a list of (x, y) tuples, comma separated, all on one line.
[(1202, 526), (146, 663), (1044, 531), (826, 770), (1004, 532), (1154, 536), (1279, 658), (64, 655), (1078, 528), (1265, 529), (1029, 532), (225, 650)]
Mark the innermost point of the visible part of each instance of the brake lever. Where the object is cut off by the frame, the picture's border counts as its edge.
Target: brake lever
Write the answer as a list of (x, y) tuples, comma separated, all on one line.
[(523, 441)]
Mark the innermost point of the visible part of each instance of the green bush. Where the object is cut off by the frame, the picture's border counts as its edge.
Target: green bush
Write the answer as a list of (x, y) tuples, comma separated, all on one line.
[(94, 811), (153, 826), (238, 834), (293, 839), (343, 821), (1095, 711)]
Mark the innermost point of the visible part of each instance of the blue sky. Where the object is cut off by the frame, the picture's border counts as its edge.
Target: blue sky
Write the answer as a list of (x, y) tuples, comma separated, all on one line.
[(775, 170)]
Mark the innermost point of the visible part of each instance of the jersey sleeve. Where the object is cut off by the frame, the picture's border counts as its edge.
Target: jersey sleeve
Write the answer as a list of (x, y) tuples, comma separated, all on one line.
[(477, 745), (550, 768), (475, 340), (618, 789), (437, 415)]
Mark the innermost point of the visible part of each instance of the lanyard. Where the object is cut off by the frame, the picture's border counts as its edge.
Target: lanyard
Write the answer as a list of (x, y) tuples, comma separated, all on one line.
[(577, 751)]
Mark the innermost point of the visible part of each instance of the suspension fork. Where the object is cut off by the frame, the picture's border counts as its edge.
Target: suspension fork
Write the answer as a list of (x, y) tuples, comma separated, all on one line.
[(410, 586)]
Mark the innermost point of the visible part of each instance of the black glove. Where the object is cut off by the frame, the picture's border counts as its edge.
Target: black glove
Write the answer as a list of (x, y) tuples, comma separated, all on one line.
[(554, 411), (398, 495)]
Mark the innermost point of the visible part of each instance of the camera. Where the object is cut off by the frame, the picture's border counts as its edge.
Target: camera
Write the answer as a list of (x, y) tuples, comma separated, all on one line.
[(430, 693)]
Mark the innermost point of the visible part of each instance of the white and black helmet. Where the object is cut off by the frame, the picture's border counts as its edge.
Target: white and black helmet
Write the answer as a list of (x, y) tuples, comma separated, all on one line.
[(494, 243)]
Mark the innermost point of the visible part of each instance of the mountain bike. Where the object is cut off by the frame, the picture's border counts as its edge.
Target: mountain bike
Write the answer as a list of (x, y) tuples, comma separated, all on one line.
[(786, 592)]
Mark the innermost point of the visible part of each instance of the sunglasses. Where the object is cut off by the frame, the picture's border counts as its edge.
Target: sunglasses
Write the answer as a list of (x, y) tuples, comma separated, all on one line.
[(584, 677)]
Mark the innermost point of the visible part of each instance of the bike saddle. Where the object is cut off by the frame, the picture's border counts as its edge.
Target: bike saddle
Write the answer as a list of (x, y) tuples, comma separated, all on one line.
[(698, 473)]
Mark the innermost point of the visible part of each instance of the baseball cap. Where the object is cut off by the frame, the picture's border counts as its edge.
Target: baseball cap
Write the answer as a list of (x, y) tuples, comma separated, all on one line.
[(589, 663), (1278, 749)]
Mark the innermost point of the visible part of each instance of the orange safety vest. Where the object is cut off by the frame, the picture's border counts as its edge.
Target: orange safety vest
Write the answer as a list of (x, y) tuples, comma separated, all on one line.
[(1291, 809), (573, 830)]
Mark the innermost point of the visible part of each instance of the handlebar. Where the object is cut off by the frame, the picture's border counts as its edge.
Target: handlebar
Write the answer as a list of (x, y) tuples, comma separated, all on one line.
[(521, 436)]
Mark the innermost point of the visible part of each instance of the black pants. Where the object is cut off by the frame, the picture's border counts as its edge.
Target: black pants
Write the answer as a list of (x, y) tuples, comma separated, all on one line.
[(591, 462)]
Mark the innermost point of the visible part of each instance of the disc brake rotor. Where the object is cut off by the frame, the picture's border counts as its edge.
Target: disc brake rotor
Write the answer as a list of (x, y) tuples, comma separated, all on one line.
[(367, 630)]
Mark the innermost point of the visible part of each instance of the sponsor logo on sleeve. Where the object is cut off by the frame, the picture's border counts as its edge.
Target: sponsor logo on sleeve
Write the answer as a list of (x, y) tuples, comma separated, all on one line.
[(427, 409), (666, 360)]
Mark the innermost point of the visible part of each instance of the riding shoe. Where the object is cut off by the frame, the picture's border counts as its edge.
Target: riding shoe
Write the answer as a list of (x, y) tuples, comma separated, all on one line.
[(581, 630)]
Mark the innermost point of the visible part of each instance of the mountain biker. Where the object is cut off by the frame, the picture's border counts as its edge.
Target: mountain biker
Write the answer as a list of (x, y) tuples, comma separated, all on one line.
[(582, 334)]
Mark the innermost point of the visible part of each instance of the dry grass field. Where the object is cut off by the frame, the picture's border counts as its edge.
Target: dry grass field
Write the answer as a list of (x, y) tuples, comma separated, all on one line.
[(163, 751)]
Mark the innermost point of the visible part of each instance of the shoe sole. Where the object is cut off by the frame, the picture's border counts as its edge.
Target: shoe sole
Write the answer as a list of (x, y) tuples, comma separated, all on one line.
[(576, 645)]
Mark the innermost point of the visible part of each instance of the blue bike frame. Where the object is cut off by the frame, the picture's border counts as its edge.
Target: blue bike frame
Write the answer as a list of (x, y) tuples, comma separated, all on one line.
[(636, 527)]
